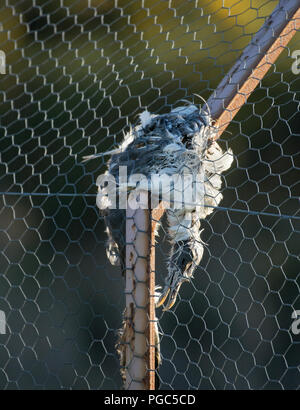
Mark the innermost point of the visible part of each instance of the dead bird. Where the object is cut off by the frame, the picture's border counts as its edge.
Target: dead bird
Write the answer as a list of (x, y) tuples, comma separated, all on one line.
[(180, 143)]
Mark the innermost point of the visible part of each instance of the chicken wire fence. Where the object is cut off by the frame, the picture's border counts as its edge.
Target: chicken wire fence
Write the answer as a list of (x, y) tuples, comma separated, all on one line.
[(74, 76)]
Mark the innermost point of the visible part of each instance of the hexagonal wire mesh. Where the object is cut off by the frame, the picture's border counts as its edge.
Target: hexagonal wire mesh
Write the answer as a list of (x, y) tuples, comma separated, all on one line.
[(77, 74)]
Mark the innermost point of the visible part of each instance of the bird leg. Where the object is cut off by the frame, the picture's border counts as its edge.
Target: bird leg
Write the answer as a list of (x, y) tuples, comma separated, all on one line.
[(181, 267)]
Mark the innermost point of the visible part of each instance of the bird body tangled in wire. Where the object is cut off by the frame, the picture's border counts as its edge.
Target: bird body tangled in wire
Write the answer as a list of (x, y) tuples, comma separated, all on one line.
[(178, 143)]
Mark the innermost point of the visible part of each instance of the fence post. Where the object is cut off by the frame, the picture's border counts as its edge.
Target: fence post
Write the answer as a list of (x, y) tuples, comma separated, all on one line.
[(140, 301)]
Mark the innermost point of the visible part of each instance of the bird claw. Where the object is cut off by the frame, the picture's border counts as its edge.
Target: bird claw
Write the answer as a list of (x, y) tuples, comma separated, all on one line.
[(172, 297), (163, 297), (171, 293)]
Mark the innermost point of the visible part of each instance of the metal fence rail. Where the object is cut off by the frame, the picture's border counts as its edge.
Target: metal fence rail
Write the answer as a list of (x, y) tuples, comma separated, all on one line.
[(75, 77)]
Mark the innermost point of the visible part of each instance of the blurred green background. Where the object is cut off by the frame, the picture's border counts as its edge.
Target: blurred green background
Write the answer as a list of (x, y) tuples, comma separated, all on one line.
[(77, 74)]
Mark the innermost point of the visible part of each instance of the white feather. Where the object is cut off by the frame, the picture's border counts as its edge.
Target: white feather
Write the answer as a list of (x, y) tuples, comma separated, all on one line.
[(184, 110), (172, 147), (145, 118)]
